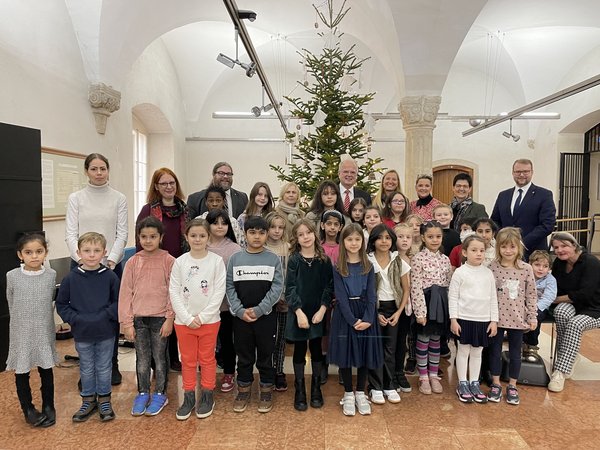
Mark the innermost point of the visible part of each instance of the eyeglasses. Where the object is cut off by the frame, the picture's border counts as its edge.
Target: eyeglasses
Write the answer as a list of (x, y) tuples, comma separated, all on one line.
[(224, 174), (521, 172), (398, 202), (167, 184)]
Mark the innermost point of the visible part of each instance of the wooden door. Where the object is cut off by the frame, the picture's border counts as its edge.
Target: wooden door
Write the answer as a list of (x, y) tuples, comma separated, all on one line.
[(442, 180)]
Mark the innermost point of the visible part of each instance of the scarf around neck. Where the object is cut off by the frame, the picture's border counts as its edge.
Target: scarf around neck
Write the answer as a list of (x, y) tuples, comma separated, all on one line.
[(157, 209)]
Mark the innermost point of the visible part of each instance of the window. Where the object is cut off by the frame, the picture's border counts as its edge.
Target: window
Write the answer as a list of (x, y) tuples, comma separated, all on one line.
[(140, 164)]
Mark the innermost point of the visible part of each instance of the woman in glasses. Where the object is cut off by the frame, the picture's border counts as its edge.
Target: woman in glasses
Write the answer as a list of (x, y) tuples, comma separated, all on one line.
[(166, 204)]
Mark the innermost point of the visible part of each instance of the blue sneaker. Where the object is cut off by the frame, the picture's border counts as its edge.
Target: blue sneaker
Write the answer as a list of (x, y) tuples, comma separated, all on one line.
[(139, 404), (158, 402)]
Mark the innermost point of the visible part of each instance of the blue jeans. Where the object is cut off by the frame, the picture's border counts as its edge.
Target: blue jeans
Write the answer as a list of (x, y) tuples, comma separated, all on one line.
[(95, 366)]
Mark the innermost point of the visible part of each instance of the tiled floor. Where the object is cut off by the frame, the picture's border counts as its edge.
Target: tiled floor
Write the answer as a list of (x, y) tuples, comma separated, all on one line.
[(570, 419)]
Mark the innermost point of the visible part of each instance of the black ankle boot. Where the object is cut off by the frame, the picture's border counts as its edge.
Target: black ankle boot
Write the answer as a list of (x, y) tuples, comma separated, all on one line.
[(33, 416), (300, 394), (316, 396), (50, 414)]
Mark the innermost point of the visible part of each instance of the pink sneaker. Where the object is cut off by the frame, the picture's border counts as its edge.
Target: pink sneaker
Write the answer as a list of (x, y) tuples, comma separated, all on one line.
[(227, 383), (436, 386), (424, 386)]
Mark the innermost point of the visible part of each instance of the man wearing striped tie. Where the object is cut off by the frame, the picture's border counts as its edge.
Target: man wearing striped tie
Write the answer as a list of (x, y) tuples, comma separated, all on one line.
[(348, 173), (528, 207)]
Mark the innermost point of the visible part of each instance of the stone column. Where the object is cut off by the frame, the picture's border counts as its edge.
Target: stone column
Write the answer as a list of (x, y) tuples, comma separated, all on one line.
[(104, 101), (418, 115)]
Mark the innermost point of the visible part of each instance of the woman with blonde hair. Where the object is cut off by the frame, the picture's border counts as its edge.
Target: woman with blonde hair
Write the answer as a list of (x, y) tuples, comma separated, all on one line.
[(390, 183), (289, 205)]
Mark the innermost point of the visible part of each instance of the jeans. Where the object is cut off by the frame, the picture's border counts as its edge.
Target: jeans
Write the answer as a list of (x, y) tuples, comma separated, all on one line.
[(149, 345), (95, 366)]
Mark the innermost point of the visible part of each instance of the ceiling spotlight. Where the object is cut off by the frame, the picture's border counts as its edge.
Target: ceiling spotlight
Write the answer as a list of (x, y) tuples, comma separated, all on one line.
[(246, 14), (510, 135), (250, 68), (268, 107), (256, 110), (224, 59), (475, 122)]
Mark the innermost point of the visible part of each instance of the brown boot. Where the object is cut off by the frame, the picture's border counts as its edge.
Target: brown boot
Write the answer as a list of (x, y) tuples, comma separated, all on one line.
[(242, 398), (265, 403)]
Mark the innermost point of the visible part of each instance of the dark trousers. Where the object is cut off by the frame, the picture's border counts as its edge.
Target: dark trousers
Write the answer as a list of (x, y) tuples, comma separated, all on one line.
[(24, 389), (227, 351), (254, 342), (515, 339), (149, 346), (401, 344), (382, 378), (532, 337), (300, 347), (361, 378)]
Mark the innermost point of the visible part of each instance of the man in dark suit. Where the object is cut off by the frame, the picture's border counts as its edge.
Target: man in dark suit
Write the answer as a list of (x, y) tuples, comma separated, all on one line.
[(463, 206), (236, 201), (348, 174), (528, 207)]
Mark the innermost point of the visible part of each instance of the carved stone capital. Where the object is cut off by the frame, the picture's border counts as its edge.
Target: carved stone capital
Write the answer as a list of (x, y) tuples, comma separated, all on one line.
[(419, 111), (104, 101)]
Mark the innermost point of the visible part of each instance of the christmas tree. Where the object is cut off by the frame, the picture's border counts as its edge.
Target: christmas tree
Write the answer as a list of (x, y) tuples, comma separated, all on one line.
[(333, 114)]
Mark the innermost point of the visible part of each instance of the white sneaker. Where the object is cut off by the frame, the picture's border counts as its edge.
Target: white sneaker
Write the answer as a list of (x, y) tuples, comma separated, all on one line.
[(348, 404), (362, 403), (392, 396), (377, 397), (557, 382)]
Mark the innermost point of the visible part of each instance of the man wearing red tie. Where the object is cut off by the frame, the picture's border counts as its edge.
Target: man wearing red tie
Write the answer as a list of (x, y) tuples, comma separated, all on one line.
[(348, 173), (528, 207)]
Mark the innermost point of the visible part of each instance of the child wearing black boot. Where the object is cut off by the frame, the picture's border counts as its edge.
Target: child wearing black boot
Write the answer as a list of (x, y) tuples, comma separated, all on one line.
[(29, 291), (308, 291)]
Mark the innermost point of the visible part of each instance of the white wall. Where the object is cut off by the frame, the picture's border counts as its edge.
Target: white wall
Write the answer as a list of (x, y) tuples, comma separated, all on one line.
[(45, 87)]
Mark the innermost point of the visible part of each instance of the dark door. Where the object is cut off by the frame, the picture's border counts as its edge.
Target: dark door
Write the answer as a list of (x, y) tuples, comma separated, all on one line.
[(21, 183), (574, 201)]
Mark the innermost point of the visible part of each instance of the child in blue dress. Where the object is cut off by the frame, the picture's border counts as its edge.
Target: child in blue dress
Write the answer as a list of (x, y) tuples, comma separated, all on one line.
[(354, 330)]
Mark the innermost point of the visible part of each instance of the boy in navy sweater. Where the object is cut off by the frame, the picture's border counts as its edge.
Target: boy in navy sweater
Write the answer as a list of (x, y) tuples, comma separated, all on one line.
[(87, 300), (254, 286)]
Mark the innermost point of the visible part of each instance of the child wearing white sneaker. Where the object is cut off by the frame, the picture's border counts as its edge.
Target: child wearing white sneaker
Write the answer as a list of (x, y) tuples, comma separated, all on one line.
[(392, 296), (473, 310), (146, 315), (353, 338)]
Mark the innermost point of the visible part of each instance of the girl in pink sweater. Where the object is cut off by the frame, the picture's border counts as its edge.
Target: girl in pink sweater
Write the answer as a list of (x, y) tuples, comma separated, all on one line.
[(517, 310), (146, 315)]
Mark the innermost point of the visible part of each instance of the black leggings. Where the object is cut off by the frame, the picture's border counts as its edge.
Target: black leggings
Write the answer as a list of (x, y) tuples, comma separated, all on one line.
[(361, 378), (300, 347), (24, 389)]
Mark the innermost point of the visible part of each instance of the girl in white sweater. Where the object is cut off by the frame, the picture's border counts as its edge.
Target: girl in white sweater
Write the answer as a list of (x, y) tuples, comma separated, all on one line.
[(197, 288), (473, 308)]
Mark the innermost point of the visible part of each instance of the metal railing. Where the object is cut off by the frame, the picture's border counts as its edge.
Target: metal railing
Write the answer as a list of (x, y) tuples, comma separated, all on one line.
[(583, 228)]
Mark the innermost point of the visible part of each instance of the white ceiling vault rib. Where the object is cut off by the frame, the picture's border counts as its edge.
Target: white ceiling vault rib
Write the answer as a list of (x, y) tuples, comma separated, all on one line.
[(85, 17)]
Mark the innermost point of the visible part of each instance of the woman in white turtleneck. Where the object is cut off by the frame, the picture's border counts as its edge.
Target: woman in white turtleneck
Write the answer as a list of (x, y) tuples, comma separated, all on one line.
[(99, 208)]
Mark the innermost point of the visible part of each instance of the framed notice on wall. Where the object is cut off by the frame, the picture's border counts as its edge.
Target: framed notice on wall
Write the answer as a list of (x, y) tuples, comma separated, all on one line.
[(62, 174)]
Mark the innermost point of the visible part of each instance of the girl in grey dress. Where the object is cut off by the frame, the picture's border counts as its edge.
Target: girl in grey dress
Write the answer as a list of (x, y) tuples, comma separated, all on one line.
[(29, 290)]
